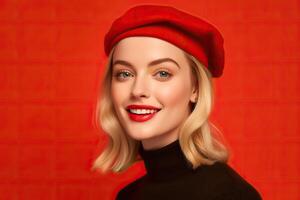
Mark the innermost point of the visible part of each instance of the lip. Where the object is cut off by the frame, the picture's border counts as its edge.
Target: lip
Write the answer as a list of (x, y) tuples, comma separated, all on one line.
[(141, 117), (142, 107)]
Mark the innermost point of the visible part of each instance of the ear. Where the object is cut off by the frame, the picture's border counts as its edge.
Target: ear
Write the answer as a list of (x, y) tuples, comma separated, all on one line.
[(194, 95)]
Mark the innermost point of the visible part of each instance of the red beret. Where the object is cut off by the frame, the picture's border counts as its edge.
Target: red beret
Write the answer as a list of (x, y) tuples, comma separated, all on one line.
[(190, 33)]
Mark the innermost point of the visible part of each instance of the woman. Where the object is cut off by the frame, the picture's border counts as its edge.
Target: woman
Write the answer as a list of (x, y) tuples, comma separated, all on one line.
[(156, 100)]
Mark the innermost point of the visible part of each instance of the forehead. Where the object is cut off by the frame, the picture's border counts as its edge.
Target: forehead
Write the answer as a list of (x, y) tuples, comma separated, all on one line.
[(147, 48)]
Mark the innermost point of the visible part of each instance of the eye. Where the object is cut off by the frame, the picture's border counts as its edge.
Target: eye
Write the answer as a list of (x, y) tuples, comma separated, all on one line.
[(122, 75), (164, 74)]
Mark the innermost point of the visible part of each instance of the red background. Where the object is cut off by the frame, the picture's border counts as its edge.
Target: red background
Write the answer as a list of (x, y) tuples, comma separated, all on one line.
[(51, 58)]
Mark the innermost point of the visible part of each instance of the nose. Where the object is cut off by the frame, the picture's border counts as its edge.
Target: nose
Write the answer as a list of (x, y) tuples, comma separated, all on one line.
[(140, 88)]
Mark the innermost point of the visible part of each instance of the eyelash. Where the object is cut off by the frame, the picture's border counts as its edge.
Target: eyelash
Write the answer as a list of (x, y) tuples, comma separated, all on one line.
[(117, 75)]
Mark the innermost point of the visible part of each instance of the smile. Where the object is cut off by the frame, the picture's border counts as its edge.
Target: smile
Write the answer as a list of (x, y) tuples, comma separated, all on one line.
[(141, 115)]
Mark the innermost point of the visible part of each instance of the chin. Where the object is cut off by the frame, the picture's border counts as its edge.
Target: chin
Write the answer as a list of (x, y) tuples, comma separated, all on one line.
[(140, 135)]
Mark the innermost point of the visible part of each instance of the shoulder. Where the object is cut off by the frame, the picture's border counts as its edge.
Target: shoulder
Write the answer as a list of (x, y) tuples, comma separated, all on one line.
[(226, 184), (131, 189)]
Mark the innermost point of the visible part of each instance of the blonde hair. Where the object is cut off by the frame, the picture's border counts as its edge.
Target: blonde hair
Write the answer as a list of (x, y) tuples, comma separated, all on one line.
[(198, 140)]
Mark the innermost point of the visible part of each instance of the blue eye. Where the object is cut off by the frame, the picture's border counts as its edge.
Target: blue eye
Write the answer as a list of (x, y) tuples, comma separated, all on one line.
[(164, 74), (123, 74)]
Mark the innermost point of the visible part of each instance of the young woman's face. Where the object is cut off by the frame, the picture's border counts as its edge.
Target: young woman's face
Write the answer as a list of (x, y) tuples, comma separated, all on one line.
[(148, 71)]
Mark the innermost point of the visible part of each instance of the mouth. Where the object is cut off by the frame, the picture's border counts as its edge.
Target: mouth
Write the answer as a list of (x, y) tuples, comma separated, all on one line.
[(142, 111), (141, 115)]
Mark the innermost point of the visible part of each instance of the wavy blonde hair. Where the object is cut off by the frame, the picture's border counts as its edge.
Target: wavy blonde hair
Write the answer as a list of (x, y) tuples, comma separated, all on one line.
[(200, 141)]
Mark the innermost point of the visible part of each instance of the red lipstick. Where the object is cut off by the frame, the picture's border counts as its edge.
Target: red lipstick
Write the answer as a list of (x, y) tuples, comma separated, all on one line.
[(133, 106), (141, 117)]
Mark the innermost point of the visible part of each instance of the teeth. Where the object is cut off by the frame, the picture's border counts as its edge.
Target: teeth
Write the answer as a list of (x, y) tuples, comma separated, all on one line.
[(142, 111)]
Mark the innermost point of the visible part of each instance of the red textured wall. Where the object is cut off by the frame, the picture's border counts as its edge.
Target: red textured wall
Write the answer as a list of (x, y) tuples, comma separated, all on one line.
[(51, 57)]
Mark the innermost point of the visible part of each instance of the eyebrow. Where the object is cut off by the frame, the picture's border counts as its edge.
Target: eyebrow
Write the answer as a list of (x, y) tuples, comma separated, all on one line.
[(152, 63)]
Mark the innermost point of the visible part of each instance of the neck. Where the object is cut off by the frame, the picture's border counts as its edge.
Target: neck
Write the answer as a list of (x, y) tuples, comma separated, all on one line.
[(165, 162), (160, 140)]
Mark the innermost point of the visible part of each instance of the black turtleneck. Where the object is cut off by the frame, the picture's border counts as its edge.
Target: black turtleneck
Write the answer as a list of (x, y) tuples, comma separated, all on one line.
[(170, 176)]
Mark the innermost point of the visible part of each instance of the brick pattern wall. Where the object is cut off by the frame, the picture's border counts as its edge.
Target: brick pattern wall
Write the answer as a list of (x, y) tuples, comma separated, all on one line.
[(51, 58)]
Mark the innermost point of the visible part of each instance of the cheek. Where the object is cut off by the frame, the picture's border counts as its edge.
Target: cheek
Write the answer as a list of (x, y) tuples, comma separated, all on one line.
[(173, 94), (119, 93)]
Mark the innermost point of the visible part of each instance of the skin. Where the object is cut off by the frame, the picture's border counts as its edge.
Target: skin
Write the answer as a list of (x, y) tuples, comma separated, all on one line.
[(164, 85)]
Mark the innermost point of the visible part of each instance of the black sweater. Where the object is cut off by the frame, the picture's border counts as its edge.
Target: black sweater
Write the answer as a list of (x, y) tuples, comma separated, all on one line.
[(169, 176)]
